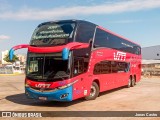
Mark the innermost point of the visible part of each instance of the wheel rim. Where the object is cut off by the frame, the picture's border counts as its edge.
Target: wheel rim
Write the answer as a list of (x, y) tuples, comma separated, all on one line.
[(93, 91), (129, 82), (133, 81)]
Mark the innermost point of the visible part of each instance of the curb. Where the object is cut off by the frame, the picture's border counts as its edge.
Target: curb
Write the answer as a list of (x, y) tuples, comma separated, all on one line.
[(10, 74)]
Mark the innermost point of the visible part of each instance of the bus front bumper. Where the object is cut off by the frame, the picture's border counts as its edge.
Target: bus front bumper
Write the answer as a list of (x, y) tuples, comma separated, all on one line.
[(58, 95)]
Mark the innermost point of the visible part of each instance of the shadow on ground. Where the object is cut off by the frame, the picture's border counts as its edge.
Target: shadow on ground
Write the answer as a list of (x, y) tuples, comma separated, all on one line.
[(22, 99)]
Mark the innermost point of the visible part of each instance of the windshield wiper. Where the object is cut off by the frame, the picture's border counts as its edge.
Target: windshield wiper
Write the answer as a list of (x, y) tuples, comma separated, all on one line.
[(59, 76)]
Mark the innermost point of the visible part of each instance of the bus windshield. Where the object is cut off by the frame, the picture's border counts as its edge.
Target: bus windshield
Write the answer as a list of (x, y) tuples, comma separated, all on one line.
[(47, 67), (52, 34)]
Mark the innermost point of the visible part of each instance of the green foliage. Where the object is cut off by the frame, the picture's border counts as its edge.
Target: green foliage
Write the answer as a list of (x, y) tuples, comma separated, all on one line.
[(15, 58)]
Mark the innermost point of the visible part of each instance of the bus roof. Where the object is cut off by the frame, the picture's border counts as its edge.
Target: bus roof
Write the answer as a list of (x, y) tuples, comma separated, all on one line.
[(63, 21)]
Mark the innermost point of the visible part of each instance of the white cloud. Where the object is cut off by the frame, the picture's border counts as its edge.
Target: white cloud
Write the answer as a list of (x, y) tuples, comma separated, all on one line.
[(4, 37), (126, 21), (61, 12)]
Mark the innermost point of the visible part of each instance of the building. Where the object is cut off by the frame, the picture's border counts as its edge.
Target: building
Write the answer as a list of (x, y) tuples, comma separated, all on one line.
[(16, 67), (151, 61), (22, 58), (151, 53), (4, 53)]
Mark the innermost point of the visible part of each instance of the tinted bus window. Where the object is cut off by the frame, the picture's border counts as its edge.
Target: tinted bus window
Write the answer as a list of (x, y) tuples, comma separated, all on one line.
[(78, 66), (103, 67), (101, 39), (85, 32), (106, 67), (105, 39), (119, 67)]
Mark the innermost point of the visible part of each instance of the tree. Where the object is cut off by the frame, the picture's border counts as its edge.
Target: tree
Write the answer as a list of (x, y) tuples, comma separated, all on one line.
[(6, 58)]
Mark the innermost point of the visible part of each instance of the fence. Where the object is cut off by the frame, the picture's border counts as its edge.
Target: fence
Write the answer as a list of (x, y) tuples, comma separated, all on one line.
[(149, 70), (6, 70)]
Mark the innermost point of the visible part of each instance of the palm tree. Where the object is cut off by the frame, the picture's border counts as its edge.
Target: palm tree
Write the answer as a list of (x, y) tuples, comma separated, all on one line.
[(6, 58)]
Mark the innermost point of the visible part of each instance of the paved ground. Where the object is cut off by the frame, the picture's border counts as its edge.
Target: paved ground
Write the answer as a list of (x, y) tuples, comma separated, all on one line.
[(145, 96)]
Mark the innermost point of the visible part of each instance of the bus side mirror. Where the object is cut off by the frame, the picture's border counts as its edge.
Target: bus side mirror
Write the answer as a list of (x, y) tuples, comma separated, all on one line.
[(11, 54), (65, 54)]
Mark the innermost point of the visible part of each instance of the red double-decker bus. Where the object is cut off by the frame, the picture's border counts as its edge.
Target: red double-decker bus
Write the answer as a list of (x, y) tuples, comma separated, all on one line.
[(71, 59)]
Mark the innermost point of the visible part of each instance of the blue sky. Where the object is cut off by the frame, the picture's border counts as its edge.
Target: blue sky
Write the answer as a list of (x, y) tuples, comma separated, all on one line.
[(137, 20)]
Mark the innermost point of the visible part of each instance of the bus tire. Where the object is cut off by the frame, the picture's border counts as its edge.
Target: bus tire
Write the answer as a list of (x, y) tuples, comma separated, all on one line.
[(94, 92), (133, 82), (129, 82)]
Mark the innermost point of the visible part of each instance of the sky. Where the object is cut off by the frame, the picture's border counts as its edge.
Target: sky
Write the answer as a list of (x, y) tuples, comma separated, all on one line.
[(137, 20)]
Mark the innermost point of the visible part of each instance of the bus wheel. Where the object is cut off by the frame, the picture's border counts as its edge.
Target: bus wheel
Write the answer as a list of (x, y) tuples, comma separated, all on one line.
[(133, 82), (94, 92), (129, 82)]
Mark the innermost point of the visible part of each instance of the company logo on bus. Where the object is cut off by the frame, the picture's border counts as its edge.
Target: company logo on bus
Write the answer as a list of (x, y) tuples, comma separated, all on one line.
[(42, 85), (119, 56)]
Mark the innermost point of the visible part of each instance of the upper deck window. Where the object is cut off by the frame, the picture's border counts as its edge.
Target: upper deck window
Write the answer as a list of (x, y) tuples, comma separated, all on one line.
[(51, 34), (108, 40), (85, 32)]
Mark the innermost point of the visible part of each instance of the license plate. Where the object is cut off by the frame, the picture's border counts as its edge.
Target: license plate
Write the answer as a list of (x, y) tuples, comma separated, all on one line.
[(42, 98)]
